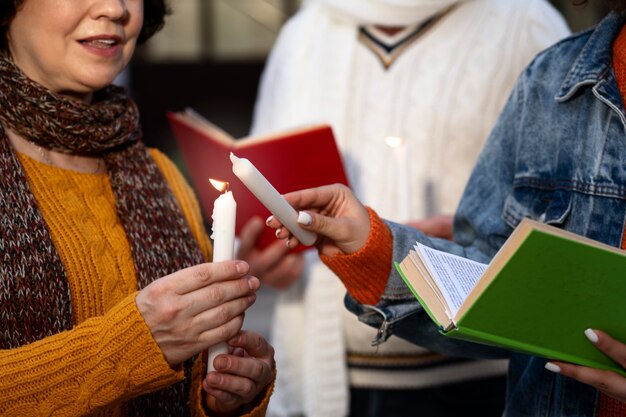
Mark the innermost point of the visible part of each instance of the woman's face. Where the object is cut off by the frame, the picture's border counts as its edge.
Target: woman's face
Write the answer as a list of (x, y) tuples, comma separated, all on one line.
[(74, 47)]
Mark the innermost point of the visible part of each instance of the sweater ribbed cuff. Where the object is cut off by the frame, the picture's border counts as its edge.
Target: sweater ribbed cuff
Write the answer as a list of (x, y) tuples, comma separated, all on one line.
[(147, 368), (100, 362), (365, 273)]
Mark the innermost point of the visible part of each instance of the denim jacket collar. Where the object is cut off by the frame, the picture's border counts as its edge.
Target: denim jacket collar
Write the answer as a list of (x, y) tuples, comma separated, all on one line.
[(594, 63)]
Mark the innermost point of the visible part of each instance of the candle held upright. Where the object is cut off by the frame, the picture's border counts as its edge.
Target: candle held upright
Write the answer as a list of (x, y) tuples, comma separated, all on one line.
[(223, 235)]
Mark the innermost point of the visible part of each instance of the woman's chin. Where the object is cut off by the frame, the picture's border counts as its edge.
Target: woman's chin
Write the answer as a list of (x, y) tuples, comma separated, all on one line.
[(85, 90)]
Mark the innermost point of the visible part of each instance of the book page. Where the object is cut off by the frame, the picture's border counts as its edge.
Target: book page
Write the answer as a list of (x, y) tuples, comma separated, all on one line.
[(427, 277), (455, 276)]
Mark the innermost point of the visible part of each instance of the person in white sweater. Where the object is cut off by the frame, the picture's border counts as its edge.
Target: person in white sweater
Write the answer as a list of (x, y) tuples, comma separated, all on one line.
[(434, 75)]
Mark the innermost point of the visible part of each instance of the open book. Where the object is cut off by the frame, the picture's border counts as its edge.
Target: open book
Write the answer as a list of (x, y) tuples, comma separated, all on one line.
[(539, 293), (290, 160)]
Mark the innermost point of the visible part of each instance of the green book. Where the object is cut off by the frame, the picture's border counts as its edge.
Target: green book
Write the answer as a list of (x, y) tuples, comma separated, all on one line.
[(540, 292)]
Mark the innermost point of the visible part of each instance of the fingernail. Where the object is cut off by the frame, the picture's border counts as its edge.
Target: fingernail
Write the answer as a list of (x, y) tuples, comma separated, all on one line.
[(213, 377), (592, 336), (220, 363), (305, 218), (254, 283), (268, 220), (552, 367), (240, 267), (277, 232), (251, 299)]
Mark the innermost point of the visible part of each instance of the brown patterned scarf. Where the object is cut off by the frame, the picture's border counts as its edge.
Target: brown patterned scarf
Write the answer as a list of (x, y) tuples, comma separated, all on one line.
[(35, 300)]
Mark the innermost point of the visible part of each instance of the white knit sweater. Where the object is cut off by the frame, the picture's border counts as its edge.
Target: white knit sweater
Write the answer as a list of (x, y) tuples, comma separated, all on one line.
[(442, 96)]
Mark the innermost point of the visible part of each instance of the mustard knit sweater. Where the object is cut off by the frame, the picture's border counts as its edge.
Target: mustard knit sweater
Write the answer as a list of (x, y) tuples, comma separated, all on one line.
[(109, 356)]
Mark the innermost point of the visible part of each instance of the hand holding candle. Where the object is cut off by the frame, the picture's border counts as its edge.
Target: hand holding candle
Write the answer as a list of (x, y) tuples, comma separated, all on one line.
[(271, 198), (224, 215)]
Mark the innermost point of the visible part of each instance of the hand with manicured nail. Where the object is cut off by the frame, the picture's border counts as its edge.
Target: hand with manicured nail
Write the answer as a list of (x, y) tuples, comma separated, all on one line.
[(608, 382), (334, 213)]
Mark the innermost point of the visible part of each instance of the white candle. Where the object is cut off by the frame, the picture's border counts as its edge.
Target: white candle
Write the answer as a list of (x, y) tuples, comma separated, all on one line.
[(403, 190), (224, 215), (271, 198)]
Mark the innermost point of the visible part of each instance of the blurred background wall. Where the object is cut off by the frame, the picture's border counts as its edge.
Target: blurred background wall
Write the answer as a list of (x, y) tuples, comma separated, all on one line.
[(210, 56)]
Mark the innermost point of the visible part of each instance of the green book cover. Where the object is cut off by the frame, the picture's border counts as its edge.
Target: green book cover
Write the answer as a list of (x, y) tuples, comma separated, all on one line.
[(539, 294)]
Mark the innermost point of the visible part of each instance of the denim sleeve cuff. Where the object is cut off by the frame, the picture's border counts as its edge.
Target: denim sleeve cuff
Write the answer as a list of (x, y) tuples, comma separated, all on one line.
[(365, 273)]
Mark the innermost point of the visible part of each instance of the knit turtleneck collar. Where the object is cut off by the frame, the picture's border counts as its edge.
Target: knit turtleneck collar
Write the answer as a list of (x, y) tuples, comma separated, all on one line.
[(386, 12)]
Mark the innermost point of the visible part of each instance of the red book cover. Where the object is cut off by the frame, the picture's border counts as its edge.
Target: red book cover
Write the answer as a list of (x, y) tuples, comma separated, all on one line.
[(290, 160)]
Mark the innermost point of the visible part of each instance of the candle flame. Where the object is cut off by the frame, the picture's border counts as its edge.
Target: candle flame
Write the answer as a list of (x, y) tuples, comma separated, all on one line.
[(394, 141), (221, 186)]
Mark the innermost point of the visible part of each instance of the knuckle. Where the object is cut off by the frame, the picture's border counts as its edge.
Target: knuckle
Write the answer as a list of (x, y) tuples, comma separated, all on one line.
[(201, 273), (222, 313), (257, 371), (170, 312), (156, 291), (216, 294), (246, 389), (257, 341)]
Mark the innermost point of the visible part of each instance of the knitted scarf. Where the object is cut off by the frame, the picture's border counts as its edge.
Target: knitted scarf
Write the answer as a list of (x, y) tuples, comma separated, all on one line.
[(35, 301)]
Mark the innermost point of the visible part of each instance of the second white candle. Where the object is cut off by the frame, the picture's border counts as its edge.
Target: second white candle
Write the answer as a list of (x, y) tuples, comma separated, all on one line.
[(270, 198)]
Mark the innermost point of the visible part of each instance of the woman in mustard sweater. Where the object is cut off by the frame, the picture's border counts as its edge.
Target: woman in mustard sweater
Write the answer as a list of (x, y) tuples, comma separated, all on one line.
[(106, 298)]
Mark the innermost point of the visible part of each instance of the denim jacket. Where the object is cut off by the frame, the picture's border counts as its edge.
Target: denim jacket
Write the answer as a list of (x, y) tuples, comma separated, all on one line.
[(558, 155)]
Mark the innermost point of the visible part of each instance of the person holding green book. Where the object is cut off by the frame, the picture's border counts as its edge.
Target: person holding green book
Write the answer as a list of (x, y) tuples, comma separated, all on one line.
[(556, 155)]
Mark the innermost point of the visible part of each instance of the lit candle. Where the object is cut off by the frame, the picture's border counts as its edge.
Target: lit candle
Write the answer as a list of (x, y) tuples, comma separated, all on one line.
[(224, 215), (271, 198), (403, 191)]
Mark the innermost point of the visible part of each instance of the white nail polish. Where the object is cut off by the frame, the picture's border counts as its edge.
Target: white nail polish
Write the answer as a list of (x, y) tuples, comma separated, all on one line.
[(592, 336), (277, 232), (269, 219), (304, 218), (552, 367)]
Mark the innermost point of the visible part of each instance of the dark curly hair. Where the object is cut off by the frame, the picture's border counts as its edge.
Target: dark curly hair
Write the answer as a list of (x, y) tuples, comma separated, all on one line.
[(153, 18)]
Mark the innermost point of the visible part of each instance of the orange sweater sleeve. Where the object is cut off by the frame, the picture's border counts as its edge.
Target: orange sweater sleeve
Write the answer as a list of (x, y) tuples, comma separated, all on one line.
[(365, 273), (99, 363)]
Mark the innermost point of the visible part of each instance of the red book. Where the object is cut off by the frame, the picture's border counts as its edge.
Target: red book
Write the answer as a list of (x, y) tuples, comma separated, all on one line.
[(290, 160)]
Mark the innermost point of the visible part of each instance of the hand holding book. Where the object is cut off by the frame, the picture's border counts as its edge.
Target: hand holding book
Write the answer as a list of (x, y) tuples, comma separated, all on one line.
[(540, 292), (609, 383)]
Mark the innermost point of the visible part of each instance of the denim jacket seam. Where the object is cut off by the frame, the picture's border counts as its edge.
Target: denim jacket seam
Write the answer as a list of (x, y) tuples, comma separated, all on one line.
[(600, 190)]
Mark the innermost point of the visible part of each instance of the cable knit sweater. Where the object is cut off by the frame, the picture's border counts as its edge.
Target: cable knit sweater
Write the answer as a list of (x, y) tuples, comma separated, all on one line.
[(109, 356)]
